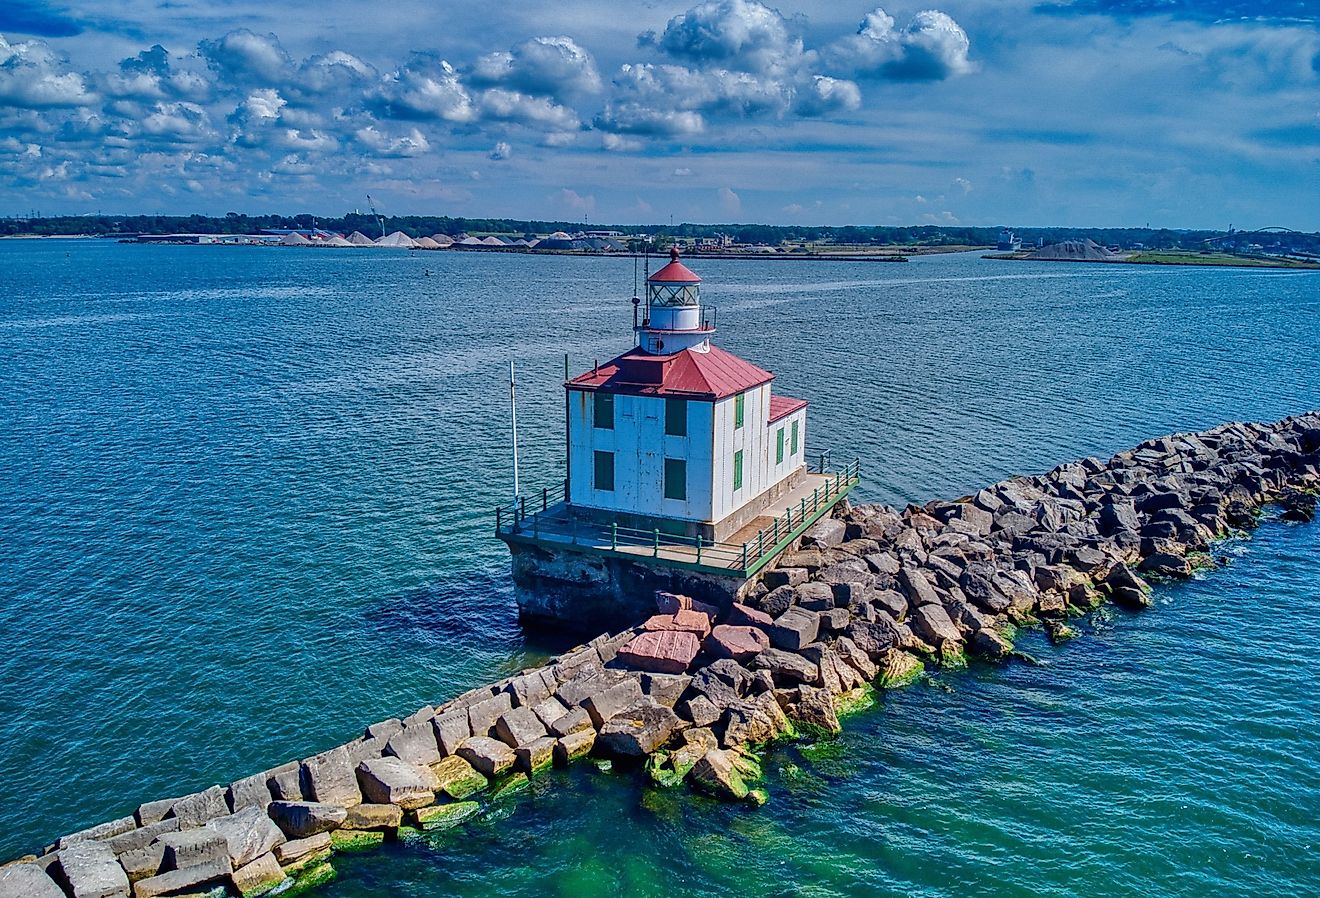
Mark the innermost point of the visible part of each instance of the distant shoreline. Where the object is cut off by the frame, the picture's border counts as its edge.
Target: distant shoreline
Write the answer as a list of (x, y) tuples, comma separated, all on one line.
[(1173, 259)]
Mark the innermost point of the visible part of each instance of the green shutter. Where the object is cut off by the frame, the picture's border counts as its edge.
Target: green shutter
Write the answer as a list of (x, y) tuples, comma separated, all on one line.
[(739, 410), (676, 417), (794, 448), (604, 479), (779, 447), (603, 410), (737, 470), (675, 478)]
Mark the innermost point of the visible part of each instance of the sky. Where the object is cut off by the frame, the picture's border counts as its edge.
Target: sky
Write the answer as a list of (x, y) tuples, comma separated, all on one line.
[(1101, 113)]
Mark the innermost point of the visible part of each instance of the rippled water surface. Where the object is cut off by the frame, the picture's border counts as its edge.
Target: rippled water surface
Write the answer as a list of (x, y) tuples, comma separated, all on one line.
[(244, 505)]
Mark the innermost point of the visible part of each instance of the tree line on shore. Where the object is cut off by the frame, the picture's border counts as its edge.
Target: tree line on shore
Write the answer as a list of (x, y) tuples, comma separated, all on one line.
[(860, 235)]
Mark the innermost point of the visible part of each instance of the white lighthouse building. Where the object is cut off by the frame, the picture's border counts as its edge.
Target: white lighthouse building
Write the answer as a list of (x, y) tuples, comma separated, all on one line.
[(682, 463), (678, 433)]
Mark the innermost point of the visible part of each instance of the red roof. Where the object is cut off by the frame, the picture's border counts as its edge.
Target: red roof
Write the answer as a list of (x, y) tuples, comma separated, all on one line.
[(783, 406), (711, 375), (675, 272)]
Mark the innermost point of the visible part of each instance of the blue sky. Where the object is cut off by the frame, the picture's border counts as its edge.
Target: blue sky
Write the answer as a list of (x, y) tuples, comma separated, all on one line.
[(1175, 113)]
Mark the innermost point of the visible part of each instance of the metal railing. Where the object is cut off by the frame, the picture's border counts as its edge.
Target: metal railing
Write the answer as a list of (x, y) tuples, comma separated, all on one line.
[(539, 518)]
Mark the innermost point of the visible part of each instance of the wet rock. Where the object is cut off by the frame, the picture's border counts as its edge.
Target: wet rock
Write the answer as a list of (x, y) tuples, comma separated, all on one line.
[(1297, 506), (444, 816), (814, 711), (373, 817), (297, 849), (574, 746), (179, 879), (300, 819), (489, 757), (258, 877), (753, 721), (669, 651), (638, 730), (91, 871), (27, 881), (536, 755), (739, 643), (1164, 564), (715, 774), (519, 726), (931, 623), (328, 777), (457, 778), (795, 628), (990, 643), (248, 834), (395, 781)]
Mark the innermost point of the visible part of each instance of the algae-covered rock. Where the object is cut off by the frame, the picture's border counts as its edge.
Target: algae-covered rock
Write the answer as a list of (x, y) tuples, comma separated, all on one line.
[(1058, 631), (899, 669), (758, 797), (356, 839), (457, 778), (311, 878), (258, 877), (443, 816), (716, 775), (574, 746), (854, 701), (814, 713), (509, 784)]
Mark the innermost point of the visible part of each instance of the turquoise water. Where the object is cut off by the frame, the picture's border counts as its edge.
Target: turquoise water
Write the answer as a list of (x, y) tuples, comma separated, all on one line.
[(244, 505)]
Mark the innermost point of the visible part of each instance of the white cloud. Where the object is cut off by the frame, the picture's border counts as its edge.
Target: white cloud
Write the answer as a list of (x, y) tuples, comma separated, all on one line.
[(740, 34), (535, 112), (931, 48), (502, 150), (545, 66), (427, 89), (246, 57), (730, 202), (823, 95), (32, 76), (402, 146)]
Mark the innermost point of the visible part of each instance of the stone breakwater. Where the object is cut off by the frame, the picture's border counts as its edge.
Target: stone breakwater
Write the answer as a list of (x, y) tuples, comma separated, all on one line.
[(870, 598)]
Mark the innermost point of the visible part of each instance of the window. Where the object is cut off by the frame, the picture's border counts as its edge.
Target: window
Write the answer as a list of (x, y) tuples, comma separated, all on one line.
[(739, 410), (603, 410), (675, 478), (737, 470), (779, 447), (604, 471), (794, 447), (676, 417)]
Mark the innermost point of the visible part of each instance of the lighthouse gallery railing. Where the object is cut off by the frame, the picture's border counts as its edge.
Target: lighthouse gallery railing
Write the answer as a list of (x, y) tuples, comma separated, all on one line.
[(541, 518)]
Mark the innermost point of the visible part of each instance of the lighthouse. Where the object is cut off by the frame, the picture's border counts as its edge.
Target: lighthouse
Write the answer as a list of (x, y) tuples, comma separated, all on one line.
[(685, 470)]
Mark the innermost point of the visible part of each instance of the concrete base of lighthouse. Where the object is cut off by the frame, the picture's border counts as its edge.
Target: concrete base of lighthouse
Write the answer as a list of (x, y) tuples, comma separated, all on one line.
[(572, 588)]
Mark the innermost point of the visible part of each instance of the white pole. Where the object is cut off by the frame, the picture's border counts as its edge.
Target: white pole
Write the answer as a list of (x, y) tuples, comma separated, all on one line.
[(513, 407)]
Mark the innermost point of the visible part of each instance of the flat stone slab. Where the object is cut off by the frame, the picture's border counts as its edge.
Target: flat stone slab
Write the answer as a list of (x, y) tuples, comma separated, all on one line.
[(27, 881), (395, 781), (487, 756), (664, 651), (258, 877), (368, 816), (443, 816), (574, 746), (740, 643), (536, 755), (415, 744), (194, 810), (177, 880), (194, 847), (296, 849), (519, 726), (691, 621)]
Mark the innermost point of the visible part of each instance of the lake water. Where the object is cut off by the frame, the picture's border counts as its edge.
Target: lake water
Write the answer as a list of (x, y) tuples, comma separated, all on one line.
[(245, 505)]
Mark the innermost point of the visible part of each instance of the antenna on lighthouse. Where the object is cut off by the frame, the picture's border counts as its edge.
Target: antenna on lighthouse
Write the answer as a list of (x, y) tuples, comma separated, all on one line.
[(513, 409)]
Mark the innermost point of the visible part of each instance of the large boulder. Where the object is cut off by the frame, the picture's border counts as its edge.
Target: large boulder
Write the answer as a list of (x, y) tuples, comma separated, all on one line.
[(483, 714), (691, 621), (825, 533), (328, 777), (610, 701), (194, 810), (260, 876), (795, 628), (638, 731), (300, 819), (91, 871), (874, 637), (519, 726), (918, 587), (451, 729), (665, 651), (787, 668), (753, 721), (490, 757), (814, 709), (739, 643), (194, 847), (457, 778), (27, 881), (746, 616), (395, 781), (248, 834), (415, 743), (931, 623), (173, 881), (716, 774)]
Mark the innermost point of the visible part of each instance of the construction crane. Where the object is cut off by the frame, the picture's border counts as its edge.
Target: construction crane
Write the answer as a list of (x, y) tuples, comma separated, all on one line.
[(379, 221)]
